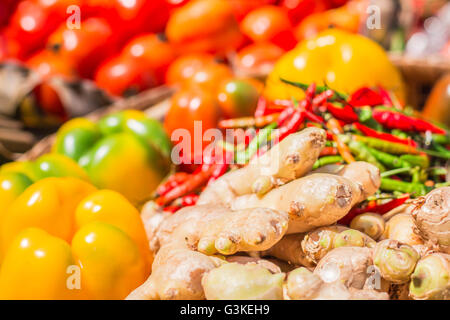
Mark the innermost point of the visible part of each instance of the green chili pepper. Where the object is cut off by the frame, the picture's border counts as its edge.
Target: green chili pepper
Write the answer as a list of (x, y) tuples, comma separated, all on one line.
[(323, 161), (416, 160), (394, 172), (442, 150), (399, 133), (441, 139), (416, 189), (362, 152), (389, 160), (319, 89), (386, 146), (437, 171), (263, 136)]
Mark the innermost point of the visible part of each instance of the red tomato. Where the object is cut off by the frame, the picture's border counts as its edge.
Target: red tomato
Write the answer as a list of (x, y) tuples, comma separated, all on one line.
[(48, 64), (131, 16), (153, 52), (6, 9), (31, 24), (258, 57), (49, 101), (186, 66), (123, 76), (86, 47), (300, 9), (269, 23), (242, 7), (189, 105), (173, 4)]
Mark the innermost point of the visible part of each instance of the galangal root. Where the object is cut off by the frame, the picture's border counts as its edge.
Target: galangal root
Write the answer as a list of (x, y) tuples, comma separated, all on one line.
[(268, 231)]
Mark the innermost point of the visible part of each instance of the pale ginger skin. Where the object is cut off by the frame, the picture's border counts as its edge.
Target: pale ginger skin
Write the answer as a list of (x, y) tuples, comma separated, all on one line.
[(349, 265), (312, 201), (432, 218), (395, 260), (243, 282), (290, 159), (431, 278), (302, 284), (178, 268), (306, 249)]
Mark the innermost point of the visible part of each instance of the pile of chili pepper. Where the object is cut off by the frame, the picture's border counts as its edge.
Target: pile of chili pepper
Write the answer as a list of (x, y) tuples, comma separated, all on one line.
[(411, 153)]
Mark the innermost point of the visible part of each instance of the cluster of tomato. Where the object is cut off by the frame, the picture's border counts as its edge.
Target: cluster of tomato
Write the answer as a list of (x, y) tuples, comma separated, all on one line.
[(117, 43), (129, 46)]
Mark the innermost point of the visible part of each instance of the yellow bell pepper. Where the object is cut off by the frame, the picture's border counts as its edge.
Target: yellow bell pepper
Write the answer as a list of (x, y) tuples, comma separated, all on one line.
[(343, 61), (64, 239)]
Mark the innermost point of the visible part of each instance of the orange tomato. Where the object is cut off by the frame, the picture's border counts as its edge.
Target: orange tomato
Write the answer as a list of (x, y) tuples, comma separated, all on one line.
[(269, 23), (242, 7), (47, 64), (86, 47), (188, 106), (258, 58), (210, 76), (204, 26), (342, 18), (198, 70), (124, 76), (185, 66), (153, 52)]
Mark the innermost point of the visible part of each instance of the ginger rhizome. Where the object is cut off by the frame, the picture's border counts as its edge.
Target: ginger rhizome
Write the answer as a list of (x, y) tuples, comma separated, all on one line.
[(268, 231)]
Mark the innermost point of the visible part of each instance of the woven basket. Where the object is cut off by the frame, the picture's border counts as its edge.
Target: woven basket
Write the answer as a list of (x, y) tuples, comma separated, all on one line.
[(420, 75)]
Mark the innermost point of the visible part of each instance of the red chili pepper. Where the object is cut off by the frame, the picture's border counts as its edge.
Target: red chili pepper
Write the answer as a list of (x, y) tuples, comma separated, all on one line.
[(263, 109), (380, 209), (346, 114), (383, 136), (194, 181), (292, 125), (314, 117), (220, 169), (397, 120), (189, 200), (174, 180), (285, 114), (322, 97), (328, 151), (365, 97), (387, 101), (172, 209)]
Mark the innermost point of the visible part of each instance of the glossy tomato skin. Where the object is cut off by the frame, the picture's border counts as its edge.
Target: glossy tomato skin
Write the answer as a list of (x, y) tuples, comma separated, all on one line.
[(210, 76), (86, 47), (269, 23), (204, 26), (131, 17), (31, 24), (188, 105), (185, 66), (6, 10), (48, 64), (258, 57), (299, 9), (121, 76), (152, 51), (49, 101), (238, 97), (242, 7)]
